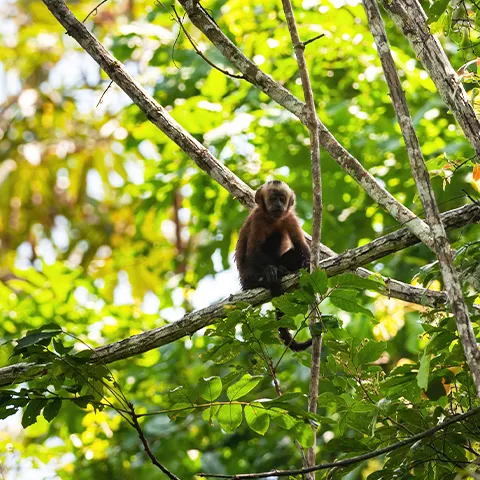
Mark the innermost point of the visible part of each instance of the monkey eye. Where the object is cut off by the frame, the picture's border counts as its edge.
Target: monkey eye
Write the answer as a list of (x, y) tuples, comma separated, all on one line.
[(282, 198)]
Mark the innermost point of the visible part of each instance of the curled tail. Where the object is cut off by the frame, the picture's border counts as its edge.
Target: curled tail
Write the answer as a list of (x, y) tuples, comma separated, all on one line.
[(290, 342), (284, 332)]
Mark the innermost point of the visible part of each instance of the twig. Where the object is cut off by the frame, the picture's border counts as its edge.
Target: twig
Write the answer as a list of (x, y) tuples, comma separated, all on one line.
[(105, 91), (146, 445), (313, 39), (95, 10), (425, 191), (353, 460), (199, 52), (311, 114)]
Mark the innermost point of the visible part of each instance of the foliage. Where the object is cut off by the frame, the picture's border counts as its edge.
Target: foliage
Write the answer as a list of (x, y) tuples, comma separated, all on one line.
[(107, 230)]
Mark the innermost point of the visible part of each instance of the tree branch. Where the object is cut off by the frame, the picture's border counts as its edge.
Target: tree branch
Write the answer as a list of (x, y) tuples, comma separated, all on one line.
[(352, 460), (283, 97), (160, 117), (410, 19), (299, 49), (425, 191), (192, 322), (152, 109)]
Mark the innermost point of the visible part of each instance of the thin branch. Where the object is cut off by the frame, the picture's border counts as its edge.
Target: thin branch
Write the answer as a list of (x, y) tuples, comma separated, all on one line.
[(95, 10), (299, 49), (199, 52), (283, 97), (311, 40), (192, 322), (146, 445), (411, 20), (352, 460), (422, 179), (104, 93)]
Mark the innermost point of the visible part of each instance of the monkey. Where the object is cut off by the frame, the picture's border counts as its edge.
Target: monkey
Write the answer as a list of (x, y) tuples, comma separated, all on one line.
[(270, 245)]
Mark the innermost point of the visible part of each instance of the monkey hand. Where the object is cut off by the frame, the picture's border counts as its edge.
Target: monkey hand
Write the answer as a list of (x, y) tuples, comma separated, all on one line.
[(271, 275)]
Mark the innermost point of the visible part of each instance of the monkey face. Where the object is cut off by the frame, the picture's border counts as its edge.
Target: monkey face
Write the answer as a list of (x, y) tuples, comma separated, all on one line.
[(276, 203)]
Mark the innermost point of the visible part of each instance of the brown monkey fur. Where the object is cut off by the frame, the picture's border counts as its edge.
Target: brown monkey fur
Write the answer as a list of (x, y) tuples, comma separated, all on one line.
[(271, 244)]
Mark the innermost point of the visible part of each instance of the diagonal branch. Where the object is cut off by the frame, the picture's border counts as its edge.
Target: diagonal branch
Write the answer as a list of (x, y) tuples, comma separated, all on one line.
[(411, 20), (194, 321), (425, 191), (353, 460), (152, 109), (283, 97)]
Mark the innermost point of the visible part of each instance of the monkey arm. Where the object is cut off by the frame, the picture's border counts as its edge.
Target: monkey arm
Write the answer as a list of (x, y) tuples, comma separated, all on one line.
[(298, 240)]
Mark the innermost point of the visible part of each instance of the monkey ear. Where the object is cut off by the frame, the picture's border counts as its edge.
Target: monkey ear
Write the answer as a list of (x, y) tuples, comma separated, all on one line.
[(291, 200), (259, 197)]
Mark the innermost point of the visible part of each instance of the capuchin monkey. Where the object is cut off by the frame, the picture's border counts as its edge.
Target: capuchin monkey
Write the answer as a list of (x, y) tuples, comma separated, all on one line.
[(271, 244)]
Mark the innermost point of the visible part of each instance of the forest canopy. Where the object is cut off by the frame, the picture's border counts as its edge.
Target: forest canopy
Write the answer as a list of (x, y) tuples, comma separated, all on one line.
[(133, 135)]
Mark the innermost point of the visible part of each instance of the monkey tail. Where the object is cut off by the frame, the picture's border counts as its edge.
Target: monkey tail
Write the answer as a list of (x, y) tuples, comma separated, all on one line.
[(292, 344), (288, 339), (284, 332)]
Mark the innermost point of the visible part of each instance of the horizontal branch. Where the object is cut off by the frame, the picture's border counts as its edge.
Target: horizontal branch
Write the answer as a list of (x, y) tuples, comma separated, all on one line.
[(352, 460), (253, 74), (192, 322), (410, 19), (160, 117)]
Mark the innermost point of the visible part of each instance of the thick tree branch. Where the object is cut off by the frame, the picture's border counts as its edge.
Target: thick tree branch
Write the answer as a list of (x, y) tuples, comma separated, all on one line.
[(411, 20), (352, 460), (192, 322), (283, 97), (425, 191), (299, 49)]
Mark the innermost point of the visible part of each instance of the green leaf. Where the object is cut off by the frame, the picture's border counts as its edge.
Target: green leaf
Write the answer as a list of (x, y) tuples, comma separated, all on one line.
[(352, 280), (210, 388), (83, 401), (180, 410), (304, 434), (32, 411), (6, 411), (424, 371), (282, 418), (226, 352), (34, 336), (242, 387), (436, 389), (52, 409), (371, 352), (319, 280), (346, 301), (182, 395), (230, 417), (257, 418), (59, 348), (436, 10), (210, 412), (329, 321)]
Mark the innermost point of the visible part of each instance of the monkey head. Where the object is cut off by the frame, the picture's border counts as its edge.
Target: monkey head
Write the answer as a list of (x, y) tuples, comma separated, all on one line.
[(276, 198)]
